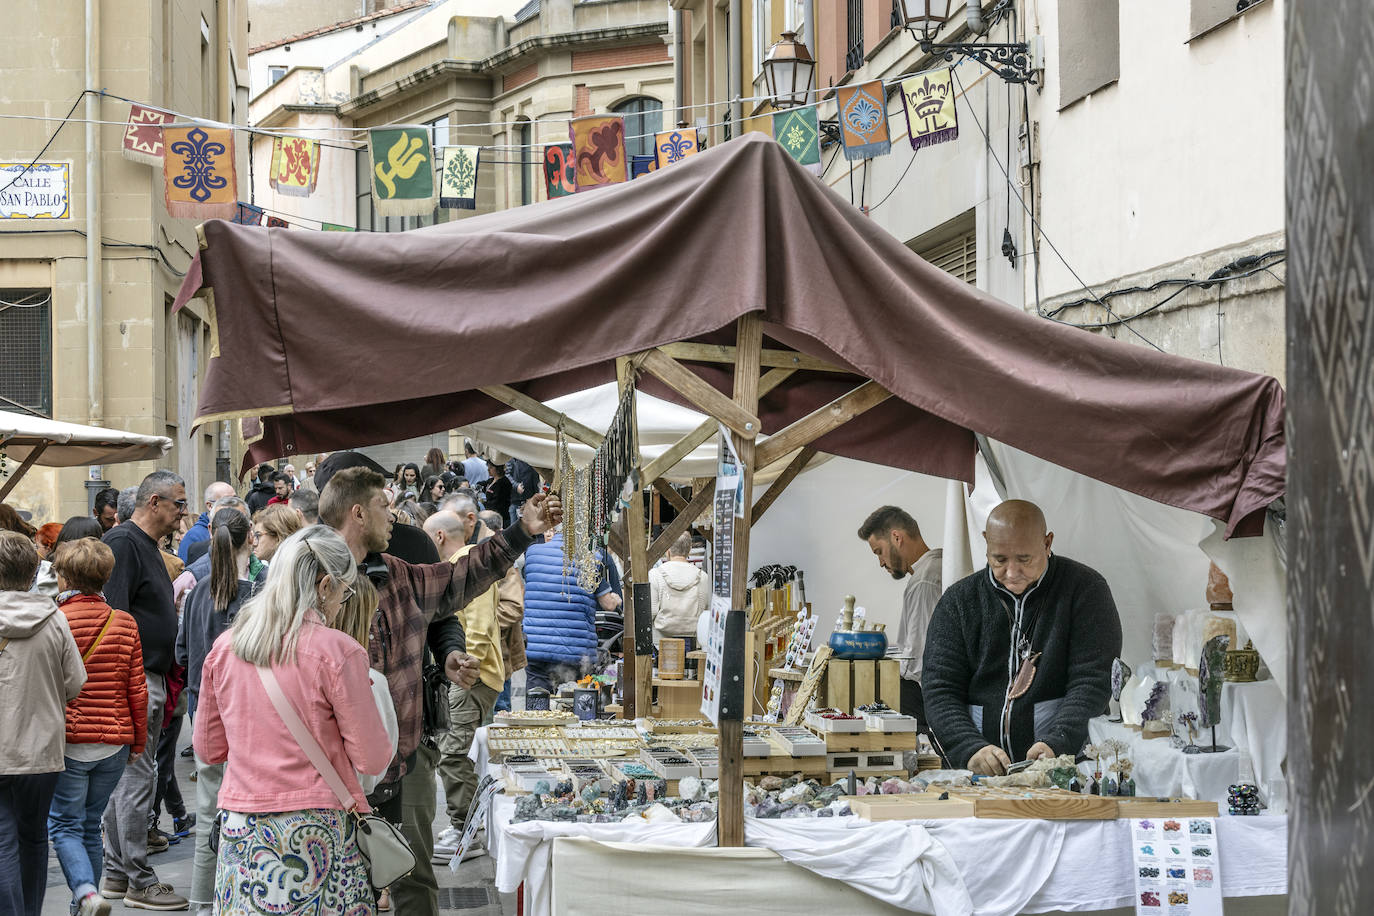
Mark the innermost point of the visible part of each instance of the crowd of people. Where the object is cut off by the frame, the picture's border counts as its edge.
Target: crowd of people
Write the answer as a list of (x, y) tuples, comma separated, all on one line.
[(360, 596)]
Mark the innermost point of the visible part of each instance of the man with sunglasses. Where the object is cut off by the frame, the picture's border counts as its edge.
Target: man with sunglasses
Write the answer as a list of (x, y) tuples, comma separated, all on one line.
[(140, 585)]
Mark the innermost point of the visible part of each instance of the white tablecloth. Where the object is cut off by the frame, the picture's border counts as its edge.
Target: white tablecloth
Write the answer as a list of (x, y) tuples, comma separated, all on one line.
[(1006, 867)]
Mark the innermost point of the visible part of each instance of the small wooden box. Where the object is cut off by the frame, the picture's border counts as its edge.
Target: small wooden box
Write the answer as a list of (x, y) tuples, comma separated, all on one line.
[(671, 658), (850, 684)]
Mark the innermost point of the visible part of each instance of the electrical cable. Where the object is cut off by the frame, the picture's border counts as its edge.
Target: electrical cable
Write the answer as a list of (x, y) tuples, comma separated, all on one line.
[(1220, 276), (988, 144), (34, 161)]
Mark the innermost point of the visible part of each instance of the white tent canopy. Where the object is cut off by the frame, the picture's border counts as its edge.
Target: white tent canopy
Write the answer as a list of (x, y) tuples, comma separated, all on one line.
[(33, 440), (661, 424)]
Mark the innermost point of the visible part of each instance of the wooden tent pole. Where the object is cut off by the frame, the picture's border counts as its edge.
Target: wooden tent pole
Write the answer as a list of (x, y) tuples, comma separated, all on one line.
[(23, 468), (638, 660), (730, 805)]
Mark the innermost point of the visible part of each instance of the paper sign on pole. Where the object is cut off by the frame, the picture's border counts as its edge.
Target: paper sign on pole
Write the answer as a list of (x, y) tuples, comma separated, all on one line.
[(477, 818)]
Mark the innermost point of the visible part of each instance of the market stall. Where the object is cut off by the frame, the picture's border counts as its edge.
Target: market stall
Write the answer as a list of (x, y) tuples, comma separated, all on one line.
[(39, 441), (611, 285)]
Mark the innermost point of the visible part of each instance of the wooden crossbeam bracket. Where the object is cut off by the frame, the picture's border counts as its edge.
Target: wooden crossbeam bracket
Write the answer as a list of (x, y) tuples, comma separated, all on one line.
[(701, 501), (675, 499), (23, 468), (699, 392), (527, 405), (789, 474), (688, 443), (821, 421), (768, 359)]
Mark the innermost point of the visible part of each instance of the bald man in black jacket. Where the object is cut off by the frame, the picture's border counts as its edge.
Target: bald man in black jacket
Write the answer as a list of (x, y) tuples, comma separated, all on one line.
[(1018, 655)]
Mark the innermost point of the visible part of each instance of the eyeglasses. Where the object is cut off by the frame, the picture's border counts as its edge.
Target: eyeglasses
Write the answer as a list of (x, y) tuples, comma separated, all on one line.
[(181, 504)]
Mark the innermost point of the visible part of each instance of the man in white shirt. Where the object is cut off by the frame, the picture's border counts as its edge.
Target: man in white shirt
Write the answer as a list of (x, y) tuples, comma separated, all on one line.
[(895, 539)]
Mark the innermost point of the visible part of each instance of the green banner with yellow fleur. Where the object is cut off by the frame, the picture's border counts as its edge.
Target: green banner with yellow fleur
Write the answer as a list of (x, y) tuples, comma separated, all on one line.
[(800, 134), (402, 171)]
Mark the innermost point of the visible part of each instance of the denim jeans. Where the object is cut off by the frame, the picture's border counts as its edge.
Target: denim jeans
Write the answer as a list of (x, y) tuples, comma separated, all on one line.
[(503, 699), (83, 790), (24, 804)]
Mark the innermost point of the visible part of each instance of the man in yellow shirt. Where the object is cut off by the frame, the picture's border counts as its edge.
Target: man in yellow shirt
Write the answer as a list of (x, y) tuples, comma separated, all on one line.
[(456, 530)]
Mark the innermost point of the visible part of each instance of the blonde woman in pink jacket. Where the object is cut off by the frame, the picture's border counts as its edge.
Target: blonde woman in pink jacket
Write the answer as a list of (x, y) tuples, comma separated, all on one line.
[(286, 847)]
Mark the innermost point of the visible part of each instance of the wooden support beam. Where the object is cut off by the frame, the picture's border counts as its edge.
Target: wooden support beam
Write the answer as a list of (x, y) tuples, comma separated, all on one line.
[(748, 343), (821, 421), (699, 392), (527, 405), (689, 443), (638, 667), (701, 501), (780, 359), (23, 468), (795, 467), (675, 499)]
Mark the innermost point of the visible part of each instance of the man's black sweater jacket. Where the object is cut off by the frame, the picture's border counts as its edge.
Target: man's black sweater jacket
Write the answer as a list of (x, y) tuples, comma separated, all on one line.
[(1068, 615)]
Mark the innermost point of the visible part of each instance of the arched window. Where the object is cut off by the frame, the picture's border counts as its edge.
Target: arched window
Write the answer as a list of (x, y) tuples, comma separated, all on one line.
[(643, 118)]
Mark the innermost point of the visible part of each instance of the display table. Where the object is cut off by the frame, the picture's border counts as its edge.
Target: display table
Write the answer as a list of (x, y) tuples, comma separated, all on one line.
[(988, 867), (1254, 720), (1163, 770)]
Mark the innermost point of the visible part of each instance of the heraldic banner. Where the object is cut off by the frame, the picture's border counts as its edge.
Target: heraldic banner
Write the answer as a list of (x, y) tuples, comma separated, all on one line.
[(599, 147), (198, 173), (402, 172)]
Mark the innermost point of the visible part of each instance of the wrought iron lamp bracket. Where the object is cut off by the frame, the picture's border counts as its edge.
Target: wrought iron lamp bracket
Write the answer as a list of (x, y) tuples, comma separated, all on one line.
[(1012, 61)]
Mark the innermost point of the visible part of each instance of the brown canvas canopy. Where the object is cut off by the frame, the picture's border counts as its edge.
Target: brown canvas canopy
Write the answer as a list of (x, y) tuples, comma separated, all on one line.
[(338, 340)]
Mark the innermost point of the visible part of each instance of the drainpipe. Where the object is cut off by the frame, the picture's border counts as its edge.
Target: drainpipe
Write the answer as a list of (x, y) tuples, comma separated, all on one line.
[(95, 306), (679, 69), (736, 66)]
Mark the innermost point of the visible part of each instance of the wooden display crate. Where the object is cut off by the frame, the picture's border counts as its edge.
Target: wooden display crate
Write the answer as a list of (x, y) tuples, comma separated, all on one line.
[(851, 684), (1165, 807), (865, 763), (868, 741)]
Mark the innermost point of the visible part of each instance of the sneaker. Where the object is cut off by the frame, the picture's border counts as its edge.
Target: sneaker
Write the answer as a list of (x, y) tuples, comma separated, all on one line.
[(181, 826), (188, 751), (157, 842), (93, 905), (446, 845), (155, 897), (112, 888)]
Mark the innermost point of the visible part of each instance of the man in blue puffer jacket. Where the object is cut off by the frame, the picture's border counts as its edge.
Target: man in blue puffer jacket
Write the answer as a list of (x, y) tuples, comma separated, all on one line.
[(560, 617)]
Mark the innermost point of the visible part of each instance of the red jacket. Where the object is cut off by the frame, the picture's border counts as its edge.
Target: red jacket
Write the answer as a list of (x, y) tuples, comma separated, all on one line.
[(113, 706)]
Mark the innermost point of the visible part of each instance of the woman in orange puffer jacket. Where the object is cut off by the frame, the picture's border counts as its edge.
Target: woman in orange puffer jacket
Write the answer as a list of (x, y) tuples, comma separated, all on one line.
[(107, 724)]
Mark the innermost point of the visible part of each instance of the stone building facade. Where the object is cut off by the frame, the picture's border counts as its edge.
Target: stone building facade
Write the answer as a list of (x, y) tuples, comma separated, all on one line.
[(189, 56)]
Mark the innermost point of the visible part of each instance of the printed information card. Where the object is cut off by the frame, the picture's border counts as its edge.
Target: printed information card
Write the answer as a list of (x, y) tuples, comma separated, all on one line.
[(1176, 868)]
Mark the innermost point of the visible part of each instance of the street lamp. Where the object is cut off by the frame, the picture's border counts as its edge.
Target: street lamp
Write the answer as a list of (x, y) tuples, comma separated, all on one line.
[(923, 18), (788, 69)]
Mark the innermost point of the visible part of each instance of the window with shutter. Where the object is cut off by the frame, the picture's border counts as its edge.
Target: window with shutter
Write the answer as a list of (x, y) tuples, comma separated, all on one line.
[(26, 350), (958, 256)]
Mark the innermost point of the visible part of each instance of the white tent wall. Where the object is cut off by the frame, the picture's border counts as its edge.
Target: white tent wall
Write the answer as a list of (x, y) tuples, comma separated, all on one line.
[(1152, 555), (814, 526)]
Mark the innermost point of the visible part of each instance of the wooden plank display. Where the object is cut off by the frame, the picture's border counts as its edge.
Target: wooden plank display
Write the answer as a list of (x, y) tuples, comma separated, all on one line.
[(1042, 804), (1166, 807), (890, 682), (837, 685), (924, 806), (865, 685)]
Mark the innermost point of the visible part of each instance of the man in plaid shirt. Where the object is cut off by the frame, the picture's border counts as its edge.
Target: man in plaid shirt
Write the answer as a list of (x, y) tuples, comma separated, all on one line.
[(410, 598)]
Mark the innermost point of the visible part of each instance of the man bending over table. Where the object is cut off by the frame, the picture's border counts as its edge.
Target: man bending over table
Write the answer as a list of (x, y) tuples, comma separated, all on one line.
[(1018, 656)]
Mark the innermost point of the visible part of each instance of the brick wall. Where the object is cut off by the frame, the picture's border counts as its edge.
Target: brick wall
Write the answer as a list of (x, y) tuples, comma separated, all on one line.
[(620, 57), (519, 77), (582, 100)]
